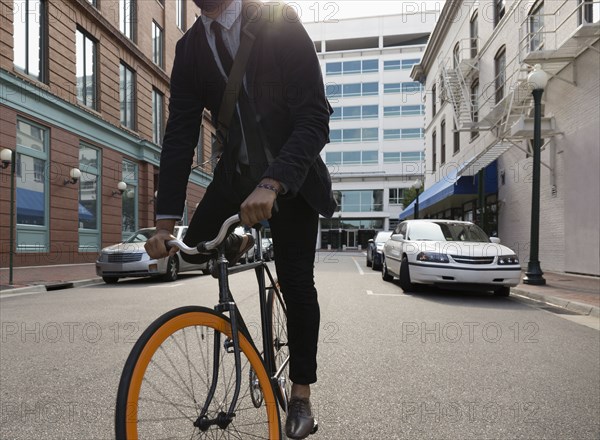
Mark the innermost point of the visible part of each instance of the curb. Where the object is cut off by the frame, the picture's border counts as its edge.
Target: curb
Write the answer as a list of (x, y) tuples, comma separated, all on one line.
[(42, 288), (572, 306)]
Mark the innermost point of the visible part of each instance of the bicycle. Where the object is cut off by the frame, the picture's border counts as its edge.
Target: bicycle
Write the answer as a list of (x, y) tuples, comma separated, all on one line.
[(197, 373)]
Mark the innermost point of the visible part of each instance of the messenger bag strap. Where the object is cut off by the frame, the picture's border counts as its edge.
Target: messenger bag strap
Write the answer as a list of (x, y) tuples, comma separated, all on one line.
[(234, 82)]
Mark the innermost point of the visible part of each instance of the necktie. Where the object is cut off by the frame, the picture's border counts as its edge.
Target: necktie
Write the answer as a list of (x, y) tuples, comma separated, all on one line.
[(224, 55), (257, 161)]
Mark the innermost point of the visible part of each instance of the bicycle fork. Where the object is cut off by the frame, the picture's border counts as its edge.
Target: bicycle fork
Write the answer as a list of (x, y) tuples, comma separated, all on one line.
[(223, 419)]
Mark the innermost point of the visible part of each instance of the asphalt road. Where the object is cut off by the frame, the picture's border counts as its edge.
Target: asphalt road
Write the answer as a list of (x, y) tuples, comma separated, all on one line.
[(437, 365)]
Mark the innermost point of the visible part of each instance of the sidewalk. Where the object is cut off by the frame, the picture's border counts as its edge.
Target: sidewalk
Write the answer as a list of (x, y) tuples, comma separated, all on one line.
[(577, 293)]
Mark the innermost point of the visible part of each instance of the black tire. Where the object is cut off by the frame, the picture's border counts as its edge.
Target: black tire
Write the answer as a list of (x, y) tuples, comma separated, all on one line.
[(405, 282), (172, 269), (165, 381), (502, 291), (369, 262), (110, 280), (376, 266), (384, 272), (279, 347)]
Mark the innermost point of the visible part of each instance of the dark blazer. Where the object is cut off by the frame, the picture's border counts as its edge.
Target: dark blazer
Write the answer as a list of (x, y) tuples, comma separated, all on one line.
[(286, 88)]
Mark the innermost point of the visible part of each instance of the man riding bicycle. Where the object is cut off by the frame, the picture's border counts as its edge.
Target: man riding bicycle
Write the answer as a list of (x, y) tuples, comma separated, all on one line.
[(279, 126)]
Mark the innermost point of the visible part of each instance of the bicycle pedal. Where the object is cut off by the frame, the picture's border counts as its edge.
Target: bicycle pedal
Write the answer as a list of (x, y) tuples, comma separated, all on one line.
[(228, 345)]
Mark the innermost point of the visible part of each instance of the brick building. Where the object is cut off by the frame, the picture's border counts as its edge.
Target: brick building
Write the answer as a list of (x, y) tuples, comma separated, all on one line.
[(479, 124), (85, 84)]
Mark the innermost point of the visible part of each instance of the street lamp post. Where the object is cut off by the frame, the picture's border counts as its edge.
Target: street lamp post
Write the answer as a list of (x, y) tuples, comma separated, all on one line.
[(417, 185), (8, 158), (537, 81)]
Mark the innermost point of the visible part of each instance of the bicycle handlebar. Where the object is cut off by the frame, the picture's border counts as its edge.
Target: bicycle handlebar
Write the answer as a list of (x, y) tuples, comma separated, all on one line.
[(206, 245)]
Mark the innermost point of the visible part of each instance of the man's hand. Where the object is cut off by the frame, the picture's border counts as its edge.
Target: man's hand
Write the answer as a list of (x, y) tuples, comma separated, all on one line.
[(259, 204), (155, 246)]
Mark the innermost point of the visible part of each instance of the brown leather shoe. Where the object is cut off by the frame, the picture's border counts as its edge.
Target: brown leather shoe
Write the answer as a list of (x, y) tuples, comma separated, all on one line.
[(300, 421)]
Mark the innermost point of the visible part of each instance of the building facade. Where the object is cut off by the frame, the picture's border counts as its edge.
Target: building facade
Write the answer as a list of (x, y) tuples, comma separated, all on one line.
[(479, 124), (85, 85), (376, 150)]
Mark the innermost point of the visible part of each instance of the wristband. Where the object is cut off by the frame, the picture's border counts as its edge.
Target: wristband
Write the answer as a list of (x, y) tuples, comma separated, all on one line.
[(269, 187)]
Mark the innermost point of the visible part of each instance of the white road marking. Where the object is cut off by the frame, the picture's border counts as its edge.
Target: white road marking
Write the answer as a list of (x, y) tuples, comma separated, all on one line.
[(169, 286), (370, 292), (360, 271)]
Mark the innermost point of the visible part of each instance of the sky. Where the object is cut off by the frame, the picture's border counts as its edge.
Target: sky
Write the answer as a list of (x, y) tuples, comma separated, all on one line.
[(331, 10)]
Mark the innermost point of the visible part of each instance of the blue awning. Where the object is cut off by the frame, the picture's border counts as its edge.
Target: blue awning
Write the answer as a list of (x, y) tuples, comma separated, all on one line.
[(30, 203), (84, 213), (450, 185)]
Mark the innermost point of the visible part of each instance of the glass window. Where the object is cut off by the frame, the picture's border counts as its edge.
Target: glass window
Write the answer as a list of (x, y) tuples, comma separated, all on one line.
[(412, 110), (158, 116), (180, 14), (337, 113), (500, 70), (433, 100), (370, 134), (412, 133), (351, 67), (370, 111), (335, 135), (332, 158), (333, 91), (443, 142), (408, 64), (474, 34), (391, 111), (127, 18), (434, 151), (31, 187), (89, 199), (456, 135), (370, 88), (411, 87), (351, 112), (392, 65), (588, 13), (29, 22), (158, 45), (333, 68), (129, 199), (391, 157), (499, 11), (370, 157), (391, 88), (391, 134), (370, 66), (412, 156), (351, 135), (127, 97), (86, 69), (475, 104), (456, 56), (351, 89), (536, 27), (362, 201), (396, 195), (351, 157)]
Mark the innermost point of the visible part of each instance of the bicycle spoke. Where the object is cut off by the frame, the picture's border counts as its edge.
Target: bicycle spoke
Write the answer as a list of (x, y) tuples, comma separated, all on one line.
[(177, 375)]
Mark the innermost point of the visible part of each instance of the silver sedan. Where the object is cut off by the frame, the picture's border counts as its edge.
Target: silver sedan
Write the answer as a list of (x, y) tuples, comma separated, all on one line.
[(130, 259)]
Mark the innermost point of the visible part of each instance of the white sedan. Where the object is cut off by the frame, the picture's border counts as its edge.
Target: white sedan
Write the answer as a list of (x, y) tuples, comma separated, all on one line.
[(448, 253)]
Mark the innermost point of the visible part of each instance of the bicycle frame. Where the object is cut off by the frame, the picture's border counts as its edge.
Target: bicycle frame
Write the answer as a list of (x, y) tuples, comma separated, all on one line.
[(227, 304)]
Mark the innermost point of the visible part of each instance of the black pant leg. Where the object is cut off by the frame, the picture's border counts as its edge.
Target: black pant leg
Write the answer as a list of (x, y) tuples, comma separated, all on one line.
[(294, 229), (218, 204)]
